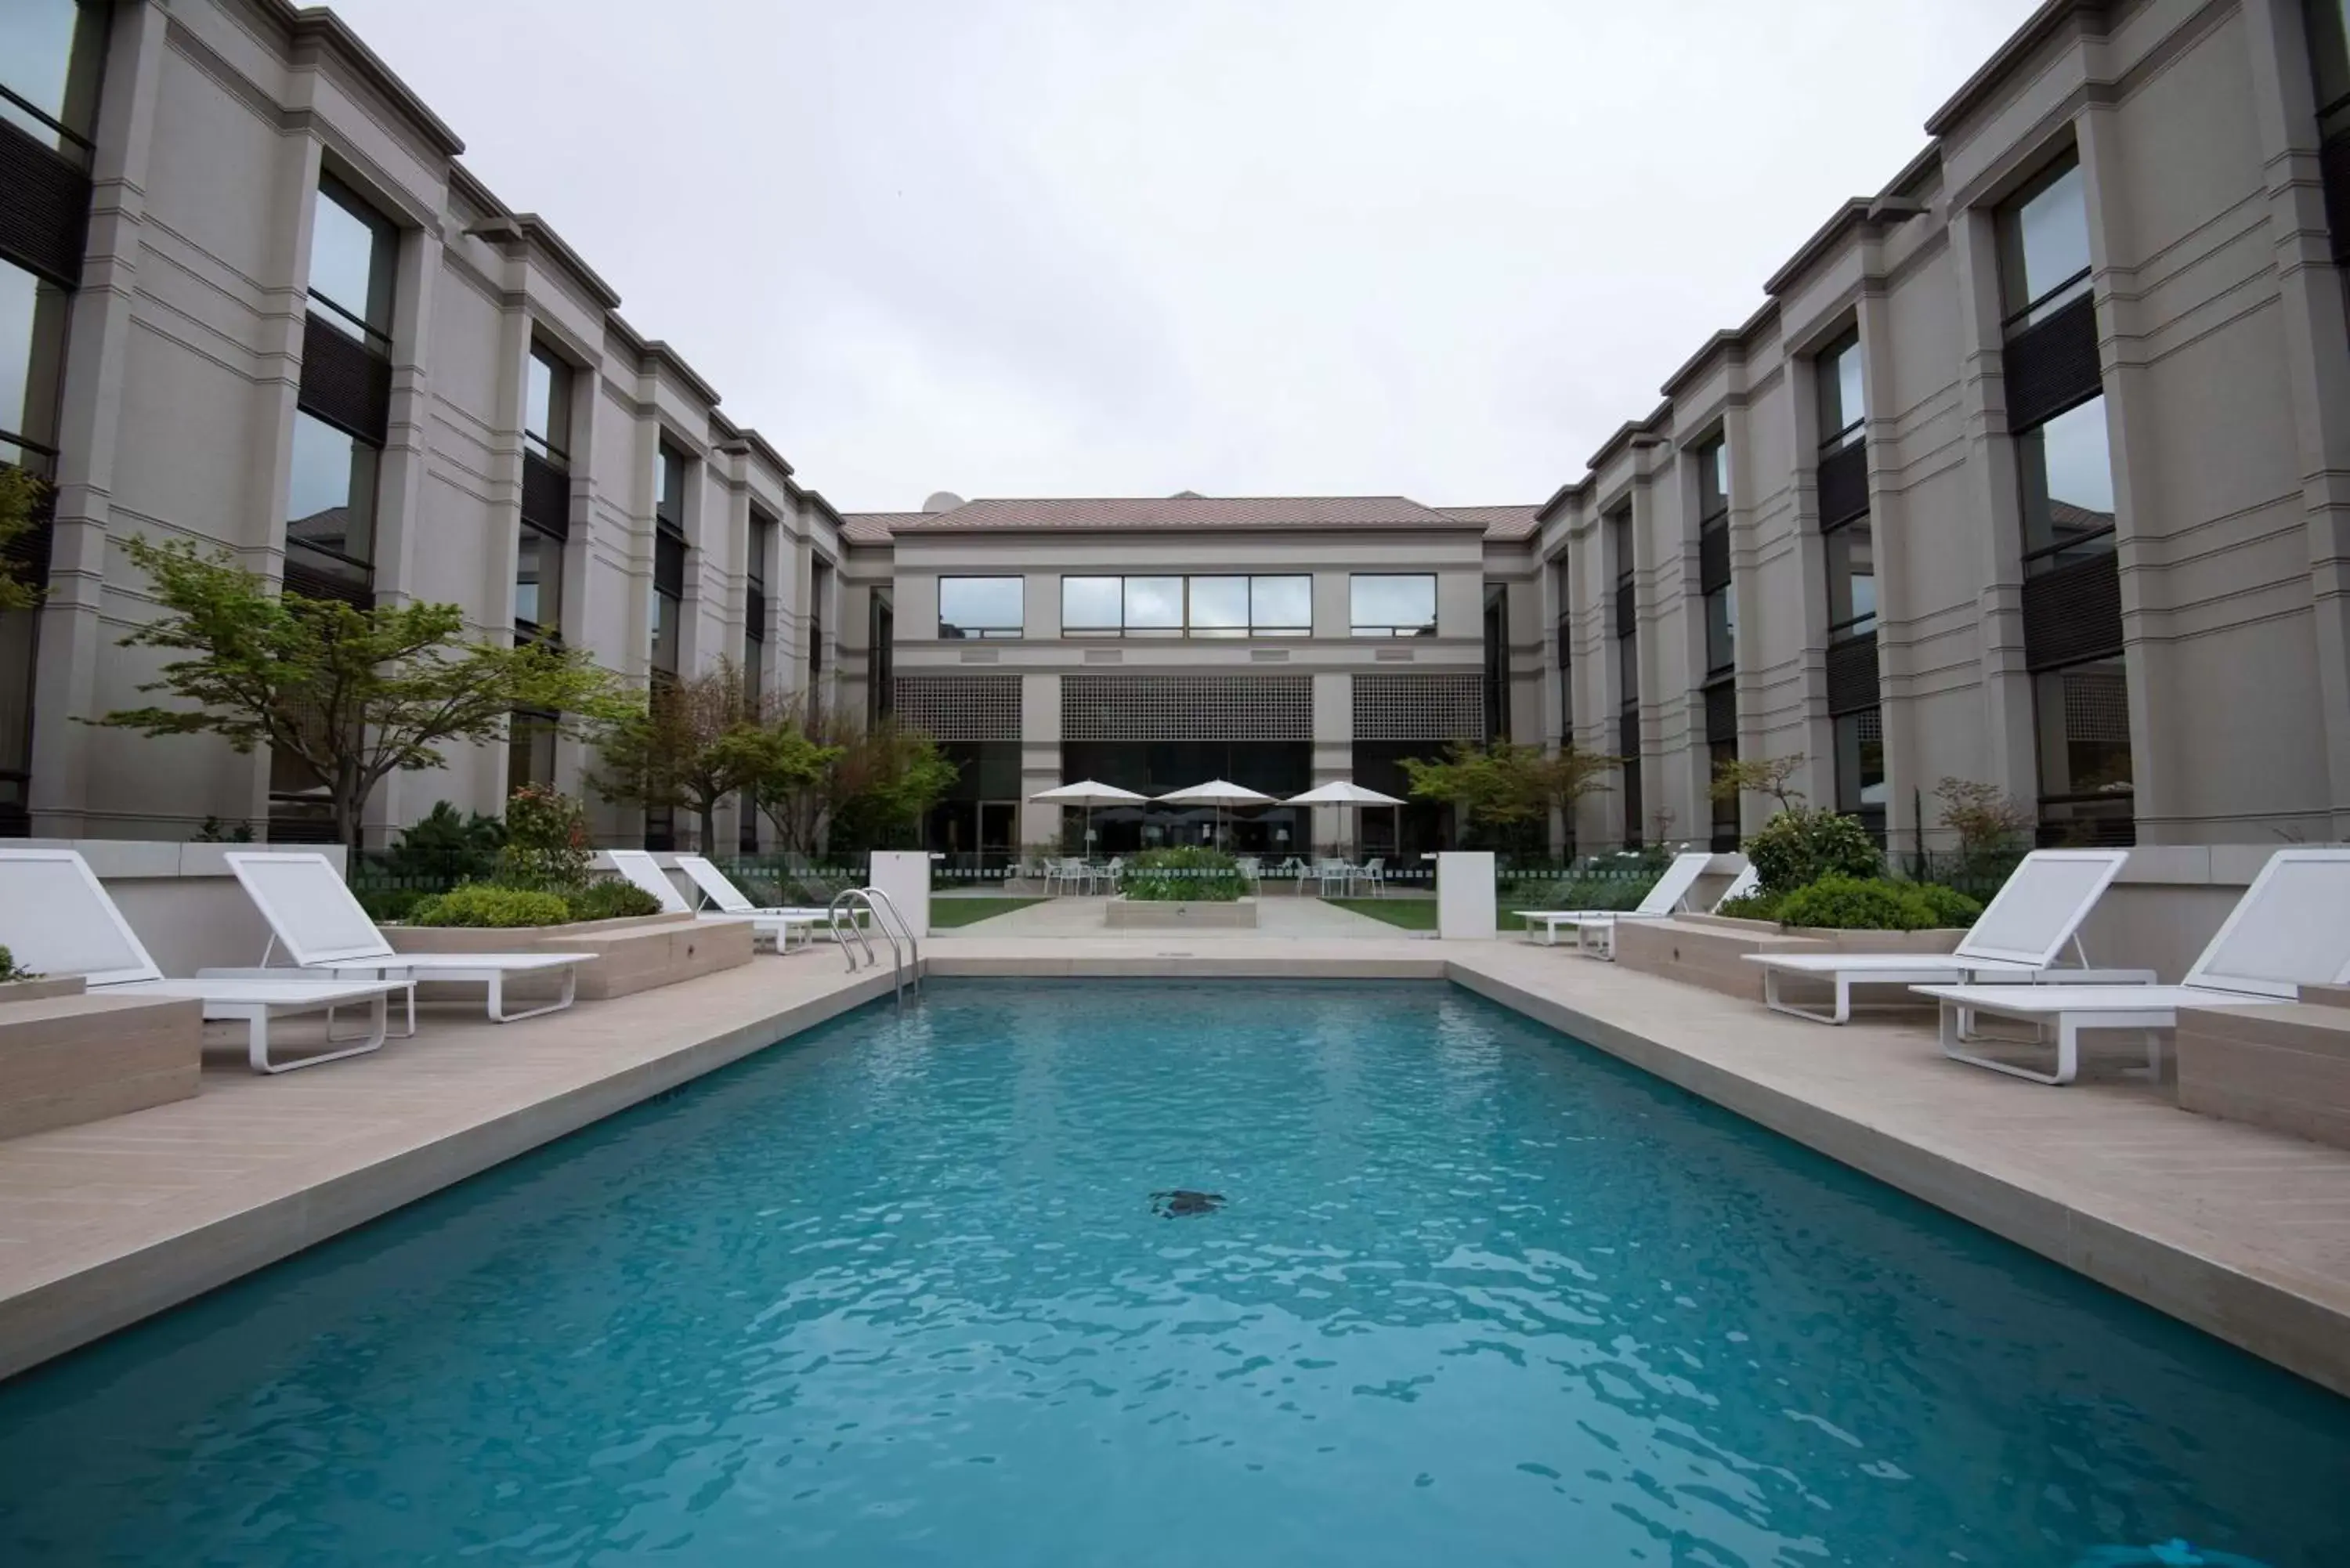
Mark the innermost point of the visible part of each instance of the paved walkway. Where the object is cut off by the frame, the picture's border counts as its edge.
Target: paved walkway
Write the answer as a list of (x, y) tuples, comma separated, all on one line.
[(1279, 916), (2245, 1233)]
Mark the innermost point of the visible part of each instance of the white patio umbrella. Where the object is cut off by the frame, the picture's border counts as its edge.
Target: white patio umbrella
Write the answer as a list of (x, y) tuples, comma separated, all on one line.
[(1089, 793), (1218, 793), (1344, 791)]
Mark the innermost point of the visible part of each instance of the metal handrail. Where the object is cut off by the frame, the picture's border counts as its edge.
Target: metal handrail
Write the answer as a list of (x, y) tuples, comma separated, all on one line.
[(881, 903), (850, 898)]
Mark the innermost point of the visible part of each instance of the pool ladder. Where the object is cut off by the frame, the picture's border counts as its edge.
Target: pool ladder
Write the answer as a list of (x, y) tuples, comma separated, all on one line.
[(884, 913)]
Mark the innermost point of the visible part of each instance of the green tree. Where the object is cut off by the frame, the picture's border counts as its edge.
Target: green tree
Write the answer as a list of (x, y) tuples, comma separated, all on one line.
[(787, 774), (1766, 776), (1509, 786), (866, 785), (20, 493), (693, 744), (353, 695)]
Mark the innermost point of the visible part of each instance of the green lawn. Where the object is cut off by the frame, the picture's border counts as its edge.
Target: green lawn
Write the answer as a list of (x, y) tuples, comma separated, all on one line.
[(1411, 913), (947, 913)]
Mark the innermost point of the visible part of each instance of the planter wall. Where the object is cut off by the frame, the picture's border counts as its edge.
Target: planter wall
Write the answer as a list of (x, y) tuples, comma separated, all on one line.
[(2287, 1068), (1145, 915), (69, 1059), (630, 955), (41, 990), (1713, 955)]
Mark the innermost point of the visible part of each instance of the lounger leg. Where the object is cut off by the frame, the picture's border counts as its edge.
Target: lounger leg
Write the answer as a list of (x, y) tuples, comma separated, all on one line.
[(1957, 1027), (256, 1039), (498, 1014), (1843, 999)]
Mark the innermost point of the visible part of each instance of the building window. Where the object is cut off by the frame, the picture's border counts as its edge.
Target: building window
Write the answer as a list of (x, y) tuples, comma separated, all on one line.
[(1843, 410), (1852, 582), (982, 607), (330, 512), (761, 544), (52, 60), (530, 750), (668, 615), (2043, 246), (2082, 716), (538, 585), (1386, 605), (1860, 765), (2067, 474), (1718, 755), (353, 256), (1628, 672), (819, 595), (1187, 606), (1721, 634), (1712, 464), (881, 623), (547, 408), (1497, 661)]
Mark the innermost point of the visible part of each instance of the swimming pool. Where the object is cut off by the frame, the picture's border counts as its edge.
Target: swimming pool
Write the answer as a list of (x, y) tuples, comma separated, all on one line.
[(897, 1292)]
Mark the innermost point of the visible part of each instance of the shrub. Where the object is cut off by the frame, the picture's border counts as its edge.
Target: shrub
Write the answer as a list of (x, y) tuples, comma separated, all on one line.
[(612, 901), (385, 906), (1950, 906), (8, 970), (1800, 846), (1752, 907), (1865, 904), (1187, 874), (547, 843), (446, 843), (483, 904)]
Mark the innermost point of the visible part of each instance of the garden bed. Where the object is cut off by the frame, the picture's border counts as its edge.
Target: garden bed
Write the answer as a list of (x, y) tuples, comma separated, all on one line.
[(66, 1059), (636, 953)]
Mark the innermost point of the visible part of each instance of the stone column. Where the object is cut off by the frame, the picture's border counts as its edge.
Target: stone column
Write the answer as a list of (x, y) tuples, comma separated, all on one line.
[(1040, 759), (1334, 761)]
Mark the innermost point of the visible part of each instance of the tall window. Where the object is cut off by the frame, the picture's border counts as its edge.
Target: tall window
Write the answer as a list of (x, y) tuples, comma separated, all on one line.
[(760, 546), (1849, 545), (1711, 462), (980, 607), (881, 637), (547, 406), (1497, 661), (1564, 631), (1628, 670), (52, 56), (546, 523), (352, 251), (343, 409), (2328, 26), (669, 559), (1391, 605), (1202, 607), (2072, 588), (820, 599)]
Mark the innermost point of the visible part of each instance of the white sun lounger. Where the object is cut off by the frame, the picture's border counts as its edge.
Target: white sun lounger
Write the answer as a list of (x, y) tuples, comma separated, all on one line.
[(2291, 928), (776, 926), (2035, 916), (57, 919), (715, 886), (1664, 899), (314, 917), (1596, 938)]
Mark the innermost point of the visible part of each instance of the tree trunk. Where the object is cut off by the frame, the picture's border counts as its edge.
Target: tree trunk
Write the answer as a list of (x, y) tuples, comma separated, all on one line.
[(709, 814)]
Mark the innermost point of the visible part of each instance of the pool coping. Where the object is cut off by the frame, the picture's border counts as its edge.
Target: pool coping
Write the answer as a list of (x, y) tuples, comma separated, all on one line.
[(1773, 1070)]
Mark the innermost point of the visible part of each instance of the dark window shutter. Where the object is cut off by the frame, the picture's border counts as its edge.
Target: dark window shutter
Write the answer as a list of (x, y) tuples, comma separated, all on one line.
[(546, 496), (343, 383), (2072, 613), (669, 564), (1852, 674), (44, 207), (1844, 485), (1626, 609), (1627, 732), (1721, 712), (754, 614), (313, 584), (2052, 365), (2334, 169), (1713, 557)]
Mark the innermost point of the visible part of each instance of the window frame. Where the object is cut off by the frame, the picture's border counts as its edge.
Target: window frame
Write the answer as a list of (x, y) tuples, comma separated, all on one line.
[(2008, 222), (2039, 559), (383, 253), (538, 629), (1838, 538), (1190, 628), (363, 564), (1827, 376), (1356, 628), (561, 382), (1011, 633)]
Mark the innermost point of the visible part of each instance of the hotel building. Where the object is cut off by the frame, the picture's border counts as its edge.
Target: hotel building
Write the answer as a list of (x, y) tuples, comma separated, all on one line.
[(2033, 470)]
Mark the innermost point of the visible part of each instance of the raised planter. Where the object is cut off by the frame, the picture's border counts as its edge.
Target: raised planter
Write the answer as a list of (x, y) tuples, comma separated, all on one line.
[(633, 954), (2286, 1068), (41, 990), (1711, 950), (1941, 940), (1153, 915), (66, 1059)]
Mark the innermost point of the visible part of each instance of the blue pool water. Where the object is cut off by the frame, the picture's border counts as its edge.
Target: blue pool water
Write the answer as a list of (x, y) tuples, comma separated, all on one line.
[(895, 1293)]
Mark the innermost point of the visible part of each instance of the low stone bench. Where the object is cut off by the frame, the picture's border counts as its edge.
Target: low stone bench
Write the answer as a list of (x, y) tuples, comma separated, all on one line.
[(1704, 951), (1150, 914), (630, 955), (2286, 1068), (72, 1058)]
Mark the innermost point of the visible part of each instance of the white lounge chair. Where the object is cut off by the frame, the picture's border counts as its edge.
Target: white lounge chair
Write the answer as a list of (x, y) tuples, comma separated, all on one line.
[(1664, 899), (2035, 916), (313, 915), (57, 919), (639, 867), (2291, 928), (1596, 938), (715, 886)]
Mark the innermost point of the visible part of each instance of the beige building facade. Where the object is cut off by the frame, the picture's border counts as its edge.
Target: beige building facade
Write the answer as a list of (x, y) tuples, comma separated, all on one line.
[(2034, 471)]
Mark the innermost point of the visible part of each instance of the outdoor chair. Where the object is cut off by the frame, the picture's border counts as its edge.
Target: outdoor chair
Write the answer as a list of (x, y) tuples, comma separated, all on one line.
[(770, 926), (716, 887), (2291, 928), (1374, 871), (56, 918), (2018, 938), (1596, 938), (1663, 900), (314, 917)]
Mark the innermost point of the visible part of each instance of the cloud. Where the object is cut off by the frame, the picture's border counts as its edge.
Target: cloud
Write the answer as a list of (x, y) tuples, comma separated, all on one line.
[(1082, 248)]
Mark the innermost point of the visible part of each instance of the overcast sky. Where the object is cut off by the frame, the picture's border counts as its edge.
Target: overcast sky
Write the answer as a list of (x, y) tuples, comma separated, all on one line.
[(1103, 247)]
